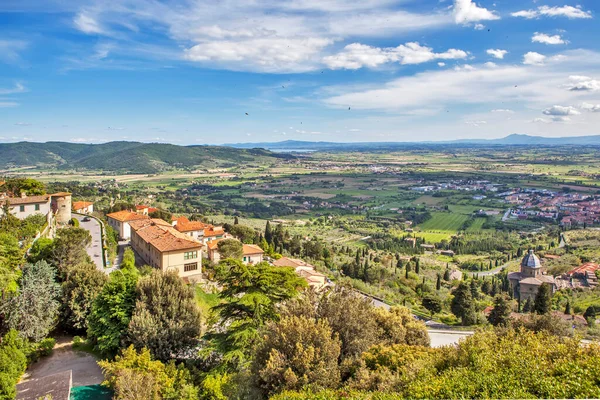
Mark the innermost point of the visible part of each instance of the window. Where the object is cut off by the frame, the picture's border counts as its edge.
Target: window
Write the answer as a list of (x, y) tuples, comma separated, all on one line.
[(190, 267), (190, 255), (37, 207), (22, 208)]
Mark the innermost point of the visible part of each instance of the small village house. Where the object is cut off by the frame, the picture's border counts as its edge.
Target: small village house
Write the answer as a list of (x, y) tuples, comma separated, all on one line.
[(83, 207), (120, 222), (307, 271), (163, 247), (252, 254)]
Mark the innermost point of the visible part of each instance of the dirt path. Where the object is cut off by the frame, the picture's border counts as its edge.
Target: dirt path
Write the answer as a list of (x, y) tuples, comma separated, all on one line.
[(85, 370)]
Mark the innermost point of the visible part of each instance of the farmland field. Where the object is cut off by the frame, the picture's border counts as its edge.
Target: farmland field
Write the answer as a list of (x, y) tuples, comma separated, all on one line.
[(442, 221)]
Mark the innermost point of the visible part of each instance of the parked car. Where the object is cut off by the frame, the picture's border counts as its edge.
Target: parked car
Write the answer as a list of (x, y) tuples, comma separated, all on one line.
[(86, 219)]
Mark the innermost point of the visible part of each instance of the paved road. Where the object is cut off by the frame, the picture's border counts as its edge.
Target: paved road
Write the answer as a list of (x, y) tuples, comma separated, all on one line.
[(95, 248), (441, 338), (491, 272)]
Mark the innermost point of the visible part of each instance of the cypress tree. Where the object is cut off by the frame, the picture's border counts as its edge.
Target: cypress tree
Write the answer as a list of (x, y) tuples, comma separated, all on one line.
[(542, 301), (447, 274), (438, 283), (417, 267), (568, 308), (527, 306), (268, 233)]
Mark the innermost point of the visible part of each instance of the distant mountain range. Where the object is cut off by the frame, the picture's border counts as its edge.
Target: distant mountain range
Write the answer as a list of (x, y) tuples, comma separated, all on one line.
[(511, 140), (128, 157)]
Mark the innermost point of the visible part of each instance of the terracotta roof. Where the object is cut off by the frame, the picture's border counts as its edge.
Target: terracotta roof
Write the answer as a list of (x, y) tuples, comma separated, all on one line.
[(531, 281), (582, 269), (162, 236), (78, 205), (141, 207), (126, 216), (190, 226), (28, 200), (213, 231), (250, 249), (290, 262), (60, 194), (213, 244)]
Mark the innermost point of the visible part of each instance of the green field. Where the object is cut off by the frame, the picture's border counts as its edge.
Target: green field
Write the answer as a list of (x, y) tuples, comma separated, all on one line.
[(477, 225), (443, 221)]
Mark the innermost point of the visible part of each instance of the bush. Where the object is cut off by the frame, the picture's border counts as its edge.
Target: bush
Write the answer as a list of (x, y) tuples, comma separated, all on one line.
[(41, 349), (13, 363), (74, 222)]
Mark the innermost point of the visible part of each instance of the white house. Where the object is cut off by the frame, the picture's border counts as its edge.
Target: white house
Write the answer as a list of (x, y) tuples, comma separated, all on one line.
[(120, 220)]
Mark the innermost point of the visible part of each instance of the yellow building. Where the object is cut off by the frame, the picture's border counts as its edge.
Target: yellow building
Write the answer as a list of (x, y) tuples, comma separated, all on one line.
[(162, 246)]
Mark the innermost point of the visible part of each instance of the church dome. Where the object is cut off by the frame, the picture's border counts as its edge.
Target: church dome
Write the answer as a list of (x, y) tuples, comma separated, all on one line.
[(531, 260)]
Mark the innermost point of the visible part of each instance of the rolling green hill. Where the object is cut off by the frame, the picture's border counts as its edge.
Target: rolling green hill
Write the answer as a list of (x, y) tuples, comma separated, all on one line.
[(128, 157)]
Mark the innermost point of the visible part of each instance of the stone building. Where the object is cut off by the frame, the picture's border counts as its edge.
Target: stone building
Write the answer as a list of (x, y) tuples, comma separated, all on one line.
[(526, 283)]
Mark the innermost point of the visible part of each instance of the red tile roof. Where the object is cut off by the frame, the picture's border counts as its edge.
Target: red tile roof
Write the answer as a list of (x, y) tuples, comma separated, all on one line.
[(78, 205), (126, 216), (162, 236), (582, 269), (251, 249)]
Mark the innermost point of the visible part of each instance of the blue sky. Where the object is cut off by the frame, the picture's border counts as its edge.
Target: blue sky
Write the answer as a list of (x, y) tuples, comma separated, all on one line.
[(205, 71)]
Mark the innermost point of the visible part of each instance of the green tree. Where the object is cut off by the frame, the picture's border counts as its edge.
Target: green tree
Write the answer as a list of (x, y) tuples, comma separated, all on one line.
[(268, 233), (447, 275), (11, 257), (462, 304), (528, 306), (17, 186), (244, 233), (398, 326), (34, 309), (250, 298), (568, 308), (433, 304), (135, 375), (79, 292), (69, 249), (112, 310), (13, 363), (543, 300), (161, 214), (231, 248), (166, 318), (297, 352), (500, 314), (438, 282)]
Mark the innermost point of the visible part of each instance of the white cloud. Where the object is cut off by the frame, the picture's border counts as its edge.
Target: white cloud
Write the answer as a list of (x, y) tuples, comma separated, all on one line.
[(533, 58), (490, 65), (10, 50), (87, 24), (441, 64), (247, 35), (18, 88), (547, 39), (356, 55), (590, 107), (261, 54), (497, 53), (561, 111), (479, 27), (583, 83), (466, 11), (541, 120), (529, 86), (476, 123), (546, 11), (23, 124), (6, 104), (503, 110)]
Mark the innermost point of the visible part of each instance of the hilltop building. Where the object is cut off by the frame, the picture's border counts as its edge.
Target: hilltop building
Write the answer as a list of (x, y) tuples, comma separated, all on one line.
[(56, 207), (121, 220), (200, 231), (526, 283), (161, 246), (307, 271), (83, 207), (252, 254)]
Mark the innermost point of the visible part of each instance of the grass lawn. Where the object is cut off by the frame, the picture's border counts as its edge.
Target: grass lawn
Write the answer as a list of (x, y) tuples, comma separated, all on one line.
[(206, 301), (441, 221), (477, 225)]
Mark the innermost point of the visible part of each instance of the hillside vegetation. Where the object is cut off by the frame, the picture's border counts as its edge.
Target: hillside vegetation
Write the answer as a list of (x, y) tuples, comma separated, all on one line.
[(130, 157)]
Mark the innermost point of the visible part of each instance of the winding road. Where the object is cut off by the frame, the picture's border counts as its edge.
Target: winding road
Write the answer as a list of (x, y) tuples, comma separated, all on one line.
[(95, 247)]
